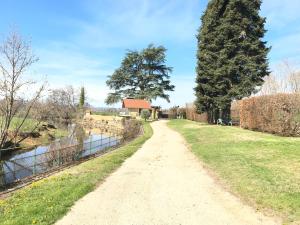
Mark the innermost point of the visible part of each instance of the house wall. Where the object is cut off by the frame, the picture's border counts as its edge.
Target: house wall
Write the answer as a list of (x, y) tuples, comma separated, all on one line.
[(134, 112)]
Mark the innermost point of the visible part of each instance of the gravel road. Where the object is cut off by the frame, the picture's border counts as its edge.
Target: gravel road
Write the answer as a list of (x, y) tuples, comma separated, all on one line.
[(163, 183)]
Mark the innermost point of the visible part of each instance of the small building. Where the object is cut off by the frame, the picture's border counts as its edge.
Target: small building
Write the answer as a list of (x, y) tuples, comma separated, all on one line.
[(135, 107)]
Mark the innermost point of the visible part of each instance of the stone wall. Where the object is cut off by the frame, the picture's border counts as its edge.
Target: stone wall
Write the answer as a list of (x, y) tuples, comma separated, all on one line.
[(103, 124)]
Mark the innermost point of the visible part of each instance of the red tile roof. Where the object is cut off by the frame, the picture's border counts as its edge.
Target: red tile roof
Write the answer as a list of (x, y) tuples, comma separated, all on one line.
[(136, 104)]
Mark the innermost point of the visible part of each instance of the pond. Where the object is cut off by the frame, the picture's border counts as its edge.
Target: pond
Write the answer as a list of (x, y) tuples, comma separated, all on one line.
[(64, 151)]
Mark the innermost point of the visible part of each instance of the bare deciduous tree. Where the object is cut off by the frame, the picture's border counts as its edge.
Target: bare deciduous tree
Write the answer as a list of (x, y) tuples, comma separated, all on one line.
[(62, 105), (271, 85), (286, 79), (290, 77), (15, 58), (294, 82)]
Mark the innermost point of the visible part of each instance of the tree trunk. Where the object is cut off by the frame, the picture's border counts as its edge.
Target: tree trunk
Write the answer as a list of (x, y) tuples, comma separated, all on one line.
[(225, 113)]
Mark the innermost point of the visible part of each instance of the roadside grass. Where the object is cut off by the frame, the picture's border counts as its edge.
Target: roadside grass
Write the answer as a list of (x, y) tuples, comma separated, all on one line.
[(47, 200), (262, 169)]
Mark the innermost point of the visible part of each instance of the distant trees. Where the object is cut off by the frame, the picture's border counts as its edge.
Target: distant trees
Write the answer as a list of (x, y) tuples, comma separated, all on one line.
[(16, 105), (173, 112), (271, 86), (232, 56), (285, 79), (141, 75), (62, 105)]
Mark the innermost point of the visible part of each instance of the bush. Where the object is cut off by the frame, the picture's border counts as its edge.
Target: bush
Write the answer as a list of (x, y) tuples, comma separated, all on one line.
[(182, 113), (278, 114), (173, 112), (132, 128), (145, 114), (191, 114)]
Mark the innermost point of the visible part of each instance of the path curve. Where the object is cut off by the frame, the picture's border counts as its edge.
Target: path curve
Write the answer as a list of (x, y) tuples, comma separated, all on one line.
[(163, 183)]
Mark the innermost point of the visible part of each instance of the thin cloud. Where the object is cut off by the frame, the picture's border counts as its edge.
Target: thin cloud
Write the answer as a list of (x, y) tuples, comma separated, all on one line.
[(130, 23), (280, 14), (93, 45)]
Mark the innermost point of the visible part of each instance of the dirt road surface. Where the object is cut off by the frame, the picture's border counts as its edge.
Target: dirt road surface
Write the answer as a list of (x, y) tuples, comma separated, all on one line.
[(163, 183)]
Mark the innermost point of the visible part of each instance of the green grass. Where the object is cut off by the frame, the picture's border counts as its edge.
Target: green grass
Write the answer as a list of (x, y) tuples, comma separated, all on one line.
[(27, 126), (262, 169), (105, 113), (47, 200), (44, 139)]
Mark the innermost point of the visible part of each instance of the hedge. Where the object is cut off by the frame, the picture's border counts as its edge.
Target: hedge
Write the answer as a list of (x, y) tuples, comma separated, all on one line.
[(278, 114), (191, 114)]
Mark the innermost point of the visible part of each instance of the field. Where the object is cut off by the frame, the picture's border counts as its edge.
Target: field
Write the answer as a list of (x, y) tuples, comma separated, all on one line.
[(263, 169), (106, 113), (47, 200)]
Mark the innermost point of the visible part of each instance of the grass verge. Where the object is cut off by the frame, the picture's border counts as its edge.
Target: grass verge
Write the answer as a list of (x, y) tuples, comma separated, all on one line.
[(47, 200), (262, 169)]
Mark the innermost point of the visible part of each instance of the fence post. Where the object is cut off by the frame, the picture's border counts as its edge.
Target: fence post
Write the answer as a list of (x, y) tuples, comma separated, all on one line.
[(34, 162), (59, 152), (90, 145), (2, 180), (14, 171)]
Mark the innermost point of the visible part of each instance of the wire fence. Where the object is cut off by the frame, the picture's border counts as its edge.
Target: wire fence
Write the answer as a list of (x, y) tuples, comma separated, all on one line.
[(48, 158)]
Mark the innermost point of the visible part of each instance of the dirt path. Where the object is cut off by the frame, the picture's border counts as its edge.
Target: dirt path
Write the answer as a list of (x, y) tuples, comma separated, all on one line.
[(162, 184)]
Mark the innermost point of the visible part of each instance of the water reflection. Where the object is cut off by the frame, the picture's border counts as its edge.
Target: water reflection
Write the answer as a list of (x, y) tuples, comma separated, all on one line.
[(63, 151)]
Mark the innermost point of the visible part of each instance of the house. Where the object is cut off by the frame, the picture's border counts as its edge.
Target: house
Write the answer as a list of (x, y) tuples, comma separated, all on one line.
[(135, 107)]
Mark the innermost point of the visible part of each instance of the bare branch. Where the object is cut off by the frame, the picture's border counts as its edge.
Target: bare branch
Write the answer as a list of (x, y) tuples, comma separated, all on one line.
[(15, 58)]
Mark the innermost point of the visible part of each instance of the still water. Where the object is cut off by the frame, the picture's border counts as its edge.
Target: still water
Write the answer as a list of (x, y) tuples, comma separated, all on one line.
[(60, 152)]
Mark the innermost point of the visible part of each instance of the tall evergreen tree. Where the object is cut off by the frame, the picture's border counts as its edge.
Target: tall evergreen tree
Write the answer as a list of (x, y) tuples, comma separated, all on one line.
[(82, 97), (240, 62), (207, 89)]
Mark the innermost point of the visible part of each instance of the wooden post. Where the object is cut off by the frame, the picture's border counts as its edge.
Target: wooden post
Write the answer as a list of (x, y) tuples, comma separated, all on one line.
[(59, 152), (34, 163), (90, 145)]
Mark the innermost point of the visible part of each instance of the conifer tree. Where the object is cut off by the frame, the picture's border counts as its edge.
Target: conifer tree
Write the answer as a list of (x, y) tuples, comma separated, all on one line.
[(232, 55), (207, 89), (142, 74), (82, 97)]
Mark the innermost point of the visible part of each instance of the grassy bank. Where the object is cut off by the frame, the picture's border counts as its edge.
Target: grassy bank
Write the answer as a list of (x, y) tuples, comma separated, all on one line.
[(45, 201), (262, 169), (46, 138)]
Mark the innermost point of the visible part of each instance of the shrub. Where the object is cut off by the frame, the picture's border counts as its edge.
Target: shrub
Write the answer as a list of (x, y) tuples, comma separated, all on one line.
[(132, 128), (182, 113), (191, 114), (173, 112), (145, 114), (279, 114)]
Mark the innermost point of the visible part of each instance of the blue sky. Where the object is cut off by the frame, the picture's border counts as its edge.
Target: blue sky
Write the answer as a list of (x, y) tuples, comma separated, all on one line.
[(81, 42)]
